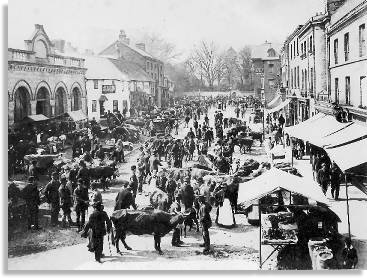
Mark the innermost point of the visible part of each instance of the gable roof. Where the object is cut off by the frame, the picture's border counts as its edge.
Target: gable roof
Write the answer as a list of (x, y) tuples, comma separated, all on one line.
[(261, 51), (102, 68), (132, 70), (132, 47), (99, 67)]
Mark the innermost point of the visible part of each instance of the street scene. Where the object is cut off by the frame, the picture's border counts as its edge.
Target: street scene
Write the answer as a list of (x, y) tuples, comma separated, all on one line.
[(130, 148)]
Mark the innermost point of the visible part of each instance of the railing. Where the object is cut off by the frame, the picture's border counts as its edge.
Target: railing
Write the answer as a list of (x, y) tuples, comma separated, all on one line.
[(19, 55), (29, 56)]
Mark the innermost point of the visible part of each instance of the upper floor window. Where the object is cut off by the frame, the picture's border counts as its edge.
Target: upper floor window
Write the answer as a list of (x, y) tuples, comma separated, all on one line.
[(291, 54), (336, 51), (347, 90), (346, 46), (311, 45), (94, 106), (336, 90), (362, 40), (95, 83), (297, 48), (271, 68)]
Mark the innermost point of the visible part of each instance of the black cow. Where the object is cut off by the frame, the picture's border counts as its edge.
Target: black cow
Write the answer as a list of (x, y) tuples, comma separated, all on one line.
[(157, 223)]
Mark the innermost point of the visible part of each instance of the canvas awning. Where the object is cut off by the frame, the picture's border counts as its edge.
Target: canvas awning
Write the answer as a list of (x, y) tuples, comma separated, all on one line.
[(349, 133), (77, 115), (350, 155), (312, 131), (36, 118), (278, 107), (275, 180), (274, 102), (293, 130)]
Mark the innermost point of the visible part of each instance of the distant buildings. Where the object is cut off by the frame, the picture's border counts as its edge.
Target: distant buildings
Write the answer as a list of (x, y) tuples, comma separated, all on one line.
[(115, 85), (123, 49), (266, 71), (41, 81), (51, 78)]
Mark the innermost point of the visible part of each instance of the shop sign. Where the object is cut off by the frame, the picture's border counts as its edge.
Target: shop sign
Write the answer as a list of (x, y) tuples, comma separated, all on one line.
[(108, 89)]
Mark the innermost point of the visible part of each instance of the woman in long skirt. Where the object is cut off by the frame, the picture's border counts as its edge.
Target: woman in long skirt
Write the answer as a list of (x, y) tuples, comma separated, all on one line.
[(225, 215)]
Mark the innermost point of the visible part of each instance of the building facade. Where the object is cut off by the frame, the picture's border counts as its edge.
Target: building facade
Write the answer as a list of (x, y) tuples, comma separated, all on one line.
[(40, 81), (347, 61), (123, 49), (304, 70), (114, 85), (266, 71)]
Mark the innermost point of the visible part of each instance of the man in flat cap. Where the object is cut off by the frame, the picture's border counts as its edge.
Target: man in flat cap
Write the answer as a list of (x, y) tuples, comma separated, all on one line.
[(53, 197)]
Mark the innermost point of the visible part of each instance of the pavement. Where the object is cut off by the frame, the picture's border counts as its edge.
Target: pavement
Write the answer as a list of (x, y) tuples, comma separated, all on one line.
[(232, 249)]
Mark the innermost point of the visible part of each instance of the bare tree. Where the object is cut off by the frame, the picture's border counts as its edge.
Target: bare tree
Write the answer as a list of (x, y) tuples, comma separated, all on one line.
[(204, 58), (159, 47), (244, 65), (230, 66), (219, 69)]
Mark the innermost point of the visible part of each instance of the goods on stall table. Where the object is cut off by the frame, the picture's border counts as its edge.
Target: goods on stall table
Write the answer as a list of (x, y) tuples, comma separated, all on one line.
[(278, 228), (43, 160)]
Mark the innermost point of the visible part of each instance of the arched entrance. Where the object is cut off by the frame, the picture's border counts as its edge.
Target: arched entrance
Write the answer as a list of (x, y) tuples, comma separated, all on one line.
[(60, 101), (43, 102), (76, 100), (22, 104)]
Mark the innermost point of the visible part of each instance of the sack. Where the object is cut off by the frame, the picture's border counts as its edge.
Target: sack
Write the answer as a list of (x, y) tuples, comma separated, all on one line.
[(90, 244)]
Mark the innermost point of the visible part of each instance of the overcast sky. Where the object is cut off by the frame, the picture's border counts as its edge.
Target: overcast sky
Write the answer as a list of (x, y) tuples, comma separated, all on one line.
[(95, 23)]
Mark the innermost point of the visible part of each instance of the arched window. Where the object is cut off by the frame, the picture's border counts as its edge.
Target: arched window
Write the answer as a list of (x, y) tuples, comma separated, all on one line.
[(41, 49), (43, 102), (60, 101), (22, 104), (76, 100)]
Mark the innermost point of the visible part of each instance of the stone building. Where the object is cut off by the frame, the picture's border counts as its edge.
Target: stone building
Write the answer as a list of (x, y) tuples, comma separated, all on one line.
[(123, 49), (347, 61), (266, 69), (115, 85), (304, 67), (40, 81)]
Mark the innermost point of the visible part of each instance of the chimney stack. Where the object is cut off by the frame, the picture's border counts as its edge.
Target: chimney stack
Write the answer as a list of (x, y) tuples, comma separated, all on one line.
[(333, 5), (123, 38), (141, 46)]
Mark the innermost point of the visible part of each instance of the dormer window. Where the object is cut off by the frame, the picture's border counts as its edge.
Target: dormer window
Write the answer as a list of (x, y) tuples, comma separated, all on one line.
[(271, 52)]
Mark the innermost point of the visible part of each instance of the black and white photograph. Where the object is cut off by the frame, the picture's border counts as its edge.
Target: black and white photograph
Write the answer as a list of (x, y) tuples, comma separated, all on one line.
[(177, 135)]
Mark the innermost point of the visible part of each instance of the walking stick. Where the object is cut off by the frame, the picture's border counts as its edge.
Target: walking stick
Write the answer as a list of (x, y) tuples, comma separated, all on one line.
[(109, 244)]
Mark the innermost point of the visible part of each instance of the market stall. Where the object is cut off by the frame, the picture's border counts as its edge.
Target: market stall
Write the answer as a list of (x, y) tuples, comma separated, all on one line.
[(292, 210)]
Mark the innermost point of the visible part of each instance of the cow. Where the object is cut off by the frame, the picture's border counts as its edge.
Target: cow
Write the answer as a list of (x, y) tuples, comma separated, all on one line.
[(157, 223), (244, 144), (107, 172), (257, 136)]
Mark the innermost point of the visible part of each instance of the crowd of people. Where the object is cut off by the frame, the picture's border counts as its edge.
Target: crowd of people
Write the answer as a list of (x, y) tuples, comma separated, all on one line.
[(157, 168)]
